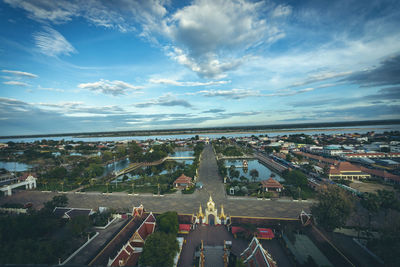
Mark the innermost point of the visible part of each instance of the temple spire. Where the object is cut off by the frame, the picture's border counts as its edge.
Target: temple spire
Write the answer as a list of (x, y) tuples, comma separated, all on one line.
[(200, 214), (222, 216)]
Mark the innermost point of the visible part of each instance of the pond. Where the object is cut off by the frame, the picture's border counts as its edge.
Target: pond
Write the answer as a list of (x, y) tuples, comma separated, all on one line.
[(263, 172), (14, 166), (132, 175), (119, 165), (183, 153)]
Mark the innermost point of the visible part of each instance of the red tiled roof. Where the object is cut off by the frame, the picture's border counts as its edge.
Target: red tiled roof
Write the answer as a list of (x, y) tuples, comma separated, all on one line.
[(123, 255), (381, 173), (265, 233), (344, 166), (184, 227), (149, 227), (183, 179), (271, 183), (236, 229)]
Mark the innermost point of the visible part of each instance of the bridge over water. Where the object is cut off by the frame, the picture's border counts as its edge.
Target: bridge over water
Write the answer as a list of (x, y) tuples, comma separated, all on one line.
[(136, 165)]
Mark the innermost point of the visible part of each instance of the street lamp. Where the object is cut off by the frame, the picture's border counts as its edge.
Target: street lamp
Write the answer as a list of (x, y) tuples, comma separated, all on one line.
[(133, 188)]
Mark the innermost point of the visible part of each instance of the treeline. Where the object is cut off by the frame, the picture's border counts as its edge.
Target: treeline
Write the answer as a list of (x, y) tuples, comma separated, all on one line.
[(39, 237), (157, 152)]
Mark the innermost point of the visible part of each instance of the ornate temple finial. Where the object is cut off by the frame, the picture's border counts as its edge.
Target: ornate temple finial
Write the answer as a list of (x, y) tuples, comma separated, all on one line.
[(210, 200), (200, 214), (222, 216)]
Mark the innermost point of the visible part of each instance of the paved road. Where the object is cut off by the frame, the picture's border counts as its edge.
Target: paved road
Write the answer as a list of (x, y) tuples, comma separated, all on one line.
[(208, 174)]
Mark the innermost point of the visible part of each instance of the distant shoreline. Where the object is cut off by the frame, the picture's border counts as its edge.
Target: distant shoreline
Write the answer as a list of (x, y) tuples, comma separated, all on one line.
[(338, 126)]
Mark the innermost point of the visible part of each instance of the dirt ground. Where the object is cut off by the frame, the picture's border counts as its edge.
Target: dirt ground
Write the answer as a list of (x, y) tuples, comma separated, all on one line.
[(369, 187)]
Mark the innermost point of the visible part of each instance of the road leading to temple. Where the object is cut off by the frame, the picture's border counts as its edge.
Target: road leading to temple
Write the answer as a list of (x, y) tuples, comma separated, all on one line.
[(189, 204)]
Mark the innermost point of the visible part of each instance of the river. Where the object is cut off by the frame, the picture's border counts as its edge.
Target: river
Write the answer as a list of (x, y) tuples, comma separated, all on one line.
[(310, 131)]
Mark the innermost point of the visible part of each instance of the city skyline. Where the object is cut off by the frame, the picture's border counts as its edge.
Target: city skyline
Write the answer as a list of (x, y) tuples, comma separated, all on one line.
[(71, 66)]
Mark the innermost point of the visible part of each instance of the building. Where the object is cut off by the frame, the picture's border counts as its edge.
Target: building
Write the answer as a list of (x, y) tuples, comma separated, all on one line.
[(70, 213), (130, 252), (347, 171), (183, 182), (256, 255), (271, 185), (118, 251)]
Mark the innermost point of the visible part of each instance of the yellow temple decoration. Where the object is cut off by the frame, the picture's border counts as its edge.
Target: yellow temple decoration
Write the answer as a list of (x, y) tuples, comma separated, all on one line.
[(200, 213), (222, 215)]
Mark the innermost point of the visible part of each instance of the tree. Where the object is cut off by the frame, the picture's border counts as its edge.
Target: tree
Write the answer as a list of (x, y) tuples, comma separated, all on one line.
[(388, 200), (168, 222), (268, 149), (159, 250), (254, 174), (57, 201), (371, 203), (289, 157), (78, 224), (333, 208), (296, 178)]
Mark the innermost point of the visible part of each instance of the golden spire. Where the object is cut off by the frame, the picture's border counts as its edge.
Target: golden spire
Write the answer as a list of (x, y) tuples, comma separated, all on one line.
[(200, 214), (222, 216), (210, 200)]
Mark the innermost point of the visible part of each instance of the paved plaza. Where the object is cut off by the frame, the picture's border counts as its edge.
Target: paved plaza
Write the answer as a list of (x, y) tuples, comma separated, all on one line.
[(189, 204)]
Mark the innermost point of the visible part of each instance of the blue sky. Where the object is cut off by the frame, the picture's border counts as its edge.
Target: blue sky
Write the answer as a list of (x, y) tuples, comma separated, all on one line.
[(83, 66)]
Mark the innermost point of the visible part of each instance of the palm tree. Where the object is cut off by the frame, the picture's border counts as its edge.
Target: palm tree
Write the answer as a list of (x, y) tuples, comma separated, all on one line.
[(254, 174)]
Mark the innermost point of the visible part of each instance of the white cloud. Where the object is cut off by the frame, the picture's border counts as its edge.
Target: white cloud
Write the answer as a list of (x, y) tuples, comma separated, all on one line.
[(22, 74), (114, 88), (167, 100), (318, 77), (50, 89), (206, 30), (282, 11), (50, 42), (16, 83), (208, 66), (232, 93), (178, 83), (47, 10)]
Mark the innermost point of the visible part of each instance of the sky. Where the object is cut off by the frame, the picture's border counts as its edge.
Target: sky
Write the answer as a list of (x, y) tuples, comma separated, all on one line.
[(93, 65)]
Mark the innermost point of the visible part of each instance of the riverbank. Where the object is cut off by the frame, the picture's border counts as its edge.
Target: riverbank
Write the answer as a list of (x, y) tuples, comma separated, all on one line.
[(304, 127)]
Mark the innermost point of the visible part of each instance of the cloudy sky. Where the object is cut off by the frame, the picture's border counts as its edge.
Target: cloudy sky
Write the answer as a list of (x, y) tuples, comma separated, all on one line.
[(81, 66)]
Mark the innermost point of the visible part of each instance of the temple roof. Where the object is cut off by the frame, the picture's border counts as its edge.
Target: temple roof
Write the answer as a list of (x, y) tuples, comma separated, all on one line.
[(183, 179), (271, 183)]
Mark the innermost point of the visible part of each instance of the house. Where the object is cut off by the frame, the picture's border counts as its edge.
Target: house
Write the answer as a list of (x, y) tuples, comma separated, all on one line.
[(183, 182), (256, 255), (346, 170), (271, 185)]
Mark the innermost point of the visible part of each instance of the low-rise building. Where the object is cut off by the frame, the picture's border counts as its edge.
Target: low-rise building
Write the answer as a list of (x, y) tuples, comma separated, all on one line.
[(183, 182), (271, 185), (347, 171)]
